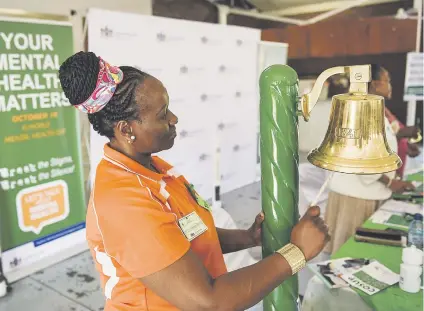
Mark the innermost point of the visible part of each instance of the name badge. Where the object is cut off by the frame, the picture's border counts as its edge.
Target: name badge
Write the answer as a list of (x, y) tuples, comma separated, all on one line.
[(192, 226)]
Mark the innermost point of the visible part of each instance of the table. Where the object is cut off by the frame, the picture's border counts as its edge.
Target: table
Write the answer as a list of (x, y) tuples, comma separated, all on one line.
[(392, 298), (318, 297)]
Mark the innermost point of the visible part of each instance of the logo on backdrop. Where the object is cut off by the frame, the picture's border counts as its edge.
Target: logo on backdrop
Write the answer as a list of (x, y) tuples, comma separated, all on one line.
[(225, 126), (237, 147), (203, 157), (163, 37), (204, 39), (245, 94), (189, 134), (106, 32), (224, 69), (211, 41), (184, 69), (209, 97)]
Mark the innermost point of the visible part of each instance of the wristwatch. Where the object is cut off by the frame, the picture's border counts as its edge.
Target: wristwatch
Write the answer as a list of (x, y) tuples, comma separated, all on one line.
[(294, 257)]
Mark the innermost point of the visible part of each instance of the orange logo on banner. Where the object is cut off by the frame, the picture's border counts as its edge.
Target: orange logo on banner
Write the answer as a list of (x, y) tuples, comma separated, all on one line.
[(42, 205)]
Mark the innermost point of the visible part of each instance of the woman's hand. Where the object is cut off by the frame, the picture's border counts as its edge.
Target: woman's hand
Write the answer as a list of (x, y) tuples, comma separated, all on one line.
[(255, 231), (311, 233), (236, 240), (413, 150), (399, 186), (408, 132)]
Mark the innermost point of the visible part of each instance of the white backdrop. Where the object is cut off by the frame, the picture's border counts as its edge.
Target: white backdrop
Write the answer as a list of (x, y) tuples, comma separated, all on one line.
[(210, 72)]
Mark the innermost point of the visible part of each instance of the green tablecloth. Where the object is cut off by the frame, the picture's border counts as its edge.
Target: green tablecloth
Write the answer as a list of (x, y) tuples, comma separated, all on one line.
[(418, 176), (392, 298)]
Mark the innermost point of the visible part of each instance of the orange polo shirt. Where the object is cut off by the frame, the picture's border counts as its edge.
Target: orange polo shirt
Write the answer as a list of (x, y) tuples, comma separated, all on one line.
[(133, 231)]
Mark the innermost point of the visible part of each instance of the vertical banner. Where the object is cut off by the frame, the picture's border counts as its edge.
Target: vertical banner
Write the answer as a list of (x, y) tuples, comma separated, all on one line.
[(42, 203), (414, 77)]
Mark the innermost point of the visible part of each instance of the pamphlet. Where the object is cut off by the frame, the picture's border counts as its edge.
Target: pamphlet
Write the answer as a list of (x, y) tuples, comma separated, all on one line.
[(330, 271), (369, 276), (372, 278)]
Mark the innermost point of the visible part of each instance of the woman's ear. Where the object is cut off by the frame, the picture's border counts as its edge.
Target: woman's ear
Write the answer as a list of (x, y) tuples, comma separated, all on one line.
[(124, 129)]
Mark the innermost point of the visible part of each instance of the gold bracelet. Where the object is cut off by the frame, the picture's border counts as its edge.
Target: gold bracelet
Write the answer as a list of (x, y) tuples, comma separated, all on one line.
[(294, 257)]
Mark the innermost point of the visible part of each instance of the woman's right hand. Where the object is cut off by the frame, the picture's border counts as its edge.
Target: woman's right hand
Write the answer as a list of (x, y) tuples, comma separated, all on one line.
[(399, 186), (408, 132), (311, 233)]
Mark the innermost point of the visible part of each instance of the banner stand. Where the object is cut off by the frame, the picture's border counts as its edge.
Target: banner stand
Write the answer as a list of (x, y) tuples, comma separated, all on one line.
[(42, 195)]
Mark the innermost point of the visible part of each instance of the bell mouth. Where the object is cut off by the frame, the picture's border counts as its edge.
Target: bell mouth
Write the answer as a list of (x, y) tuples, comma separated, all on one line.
[(368, 166)]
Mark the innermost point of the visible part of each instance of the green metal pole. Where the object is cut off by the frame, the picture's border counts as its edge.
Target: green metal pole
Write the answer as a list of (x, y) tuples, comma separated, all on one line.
[(279, 169)]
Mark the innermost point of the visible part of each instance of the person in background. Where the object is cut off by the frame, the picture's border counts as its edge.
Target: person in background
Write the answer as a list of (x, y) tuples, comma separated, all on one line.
[(381, 85), (152, 237), (352, 199)]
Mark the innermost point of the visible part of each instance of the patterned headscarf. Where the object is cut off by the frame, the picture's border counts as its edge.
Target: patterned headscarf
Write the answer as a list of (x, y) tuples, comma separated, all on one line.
[(107, 80)]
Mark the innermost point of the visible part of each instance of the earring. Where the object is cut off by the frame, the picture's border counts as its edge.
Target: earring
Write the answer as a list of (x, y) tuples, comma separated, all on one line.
[(131, 140)]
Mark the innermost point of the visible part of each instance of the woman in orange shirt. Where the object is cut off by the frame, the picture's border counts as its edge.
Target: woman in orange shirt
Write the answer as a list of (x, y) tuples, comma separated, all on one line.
[(151, 235)]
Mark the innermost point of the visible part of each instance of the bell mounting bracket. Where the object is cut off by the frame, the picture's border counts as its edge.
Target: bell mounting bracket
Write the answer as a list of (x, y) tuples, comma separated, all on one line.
[(359, 77)]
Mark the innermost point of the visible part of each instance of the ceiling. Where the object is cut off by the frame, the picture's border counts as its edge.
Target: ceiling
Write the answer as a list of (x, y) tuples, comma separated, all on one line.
[(296, 7), (268, 5)]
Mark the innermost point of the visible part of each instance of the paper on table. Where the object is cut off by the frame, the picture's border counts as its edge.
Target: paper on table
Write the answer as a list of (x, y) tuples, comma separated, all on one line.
[(330, 271), (401, 207)]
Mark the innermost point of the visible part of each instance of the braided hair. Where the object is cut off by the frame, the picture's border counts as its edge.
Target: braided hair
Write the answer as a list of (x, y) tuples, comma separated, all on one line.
[(78, 76)]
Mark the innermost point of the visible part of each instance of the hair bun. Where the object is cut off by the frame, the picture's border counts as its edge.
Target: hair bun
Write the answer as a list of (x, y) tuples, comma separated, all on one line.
[(78, 76)]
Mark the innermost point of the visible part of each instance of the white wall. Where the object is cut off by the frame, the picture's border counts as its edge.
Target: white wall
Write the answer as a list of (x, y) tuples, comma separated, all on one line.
[(64, 7)]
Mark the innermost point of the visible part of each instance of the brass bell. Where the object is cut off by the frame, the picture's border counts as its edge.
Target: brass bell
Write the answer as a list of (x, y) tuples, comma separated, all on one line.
[(355, 141)]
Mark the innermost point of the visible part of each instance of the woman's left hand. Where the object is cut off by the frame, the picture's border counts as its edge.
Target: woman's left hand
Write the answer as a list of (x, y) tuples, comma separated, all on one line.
[(255, 231)]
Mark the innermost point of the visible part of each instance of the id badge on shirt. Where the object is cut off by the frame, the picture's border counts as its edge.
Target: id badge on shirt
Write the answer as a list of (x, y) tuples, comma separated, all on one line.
[(192, 226)]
